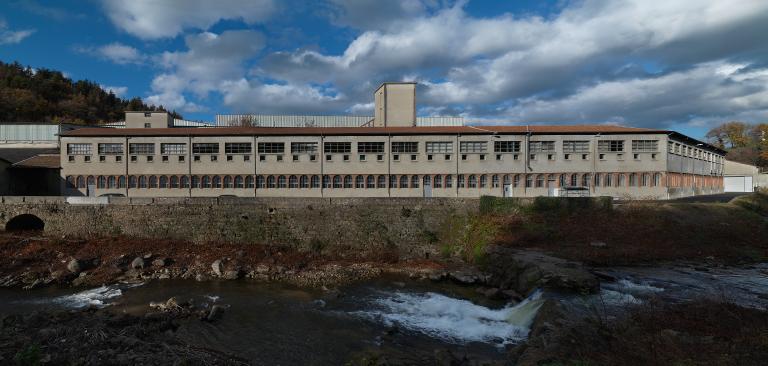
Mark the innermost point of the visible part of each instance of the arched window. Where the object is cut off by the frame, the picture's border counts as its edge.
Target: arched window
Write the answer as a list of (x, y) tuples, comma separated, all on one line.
[(427, 180), (516, 180), (327, 181), (495, 181), (657, 179), (281, 181), (239, 181), (608, 180), (561, 180), (633, 180), (403, 181), (293, 182), (304, 182), (597, 180), (121, 181), (574, 180), (174, 181), (249, 181), (337, 181), (152, 181), (483, 181), (529, 180), (112, 181), (370, 182), (163, 181), (348, 181), (261, 183), (101, 182), (359, 181), (227, 181), (195, 181), (91, 181), (392, 181), (315, 181), (585, 179), (507, 180), (539, 180), (438, 181), (449, 181), (133, 181), (271, 182), (70, 181), (143, 181), (205, 182), (622, 180), (80, 181), (185, 181), (460, 181), (216, 181), (381, 181), (414, 181), (645, 180), (472, 181)]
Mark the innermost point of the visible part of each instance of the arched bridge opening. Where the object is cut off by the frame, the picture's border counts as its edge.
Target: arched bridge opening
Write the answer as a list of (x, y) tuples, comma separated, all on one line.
[(25, 222)]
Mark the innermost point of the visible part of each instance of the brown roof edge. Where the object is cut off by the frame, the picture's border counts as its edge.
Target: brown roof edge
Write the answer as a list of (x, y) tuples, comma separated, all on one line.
[(282, 131)]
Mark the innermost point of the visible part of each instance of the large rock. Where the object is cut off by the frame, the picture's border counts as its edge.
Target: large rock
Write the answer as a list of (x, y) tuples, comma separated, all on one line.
[(217, 311), (75, 266), (217, 267), (138, 263), (524, 271)]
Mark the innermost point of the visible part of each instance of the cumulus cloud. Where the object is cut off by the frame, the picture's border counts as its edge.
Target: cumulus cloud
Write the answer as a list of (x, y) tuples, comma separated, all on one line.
[(249, 96), (116, 52), (375, 14), (8, 36), (521, 66), (210, 61), (708, 93), (116, 90), (149, 19)]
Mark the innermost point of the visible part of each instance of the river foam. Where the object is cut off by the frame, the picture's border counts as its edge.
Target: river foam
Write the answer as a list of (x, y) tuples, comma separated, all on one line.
[(455, 320), (97, 297)]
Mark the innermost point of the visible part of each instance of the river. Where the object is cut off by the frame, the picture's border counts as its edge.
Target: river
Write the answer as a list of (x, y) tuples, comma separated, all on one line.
[(280, 324)]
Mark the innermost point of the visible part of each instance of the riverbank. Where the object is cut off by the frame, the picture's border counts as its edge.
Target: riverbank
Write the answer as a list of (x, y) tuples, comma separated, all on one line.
[(31, 260), (638, 233)]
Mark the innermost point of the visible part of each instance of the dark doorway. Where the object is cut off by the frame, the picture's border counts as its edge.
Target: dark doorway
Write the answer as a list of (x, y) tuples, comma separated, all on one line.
[(25, 222)]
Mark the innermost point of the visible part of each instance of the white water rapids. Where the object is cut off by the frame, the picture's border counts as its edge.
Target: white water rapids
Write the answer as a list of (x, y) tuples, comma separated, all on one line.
[(454, 320)]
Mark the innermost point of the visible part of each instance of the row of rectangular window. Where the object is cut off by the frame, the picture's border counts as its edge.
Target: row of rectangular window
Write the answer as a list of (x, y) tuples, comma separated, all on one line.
[(677, 148), (399, 147)]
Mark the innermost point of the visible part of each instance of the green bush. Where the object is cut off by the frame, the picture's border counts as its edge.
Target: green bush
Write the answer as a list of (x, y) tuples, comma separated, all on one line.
[(756, 202), (499, 205)]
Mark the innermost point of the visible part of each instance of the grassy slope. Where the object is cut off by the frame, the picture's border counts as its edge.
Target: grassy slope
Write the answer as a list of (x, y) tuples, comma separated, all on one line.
[(644, 232)]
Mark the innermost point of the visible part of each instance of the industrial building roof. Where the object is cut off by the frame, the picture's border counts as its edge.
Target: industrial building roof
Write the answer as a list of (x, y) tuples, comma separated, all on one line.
[(15, 155), (47, 161), (374, 131)]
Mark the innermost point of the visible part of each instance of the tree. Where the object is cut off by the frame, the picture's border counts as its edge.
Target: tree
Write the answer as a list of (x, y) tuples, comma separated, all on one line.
[(743, 142), (45, 95)]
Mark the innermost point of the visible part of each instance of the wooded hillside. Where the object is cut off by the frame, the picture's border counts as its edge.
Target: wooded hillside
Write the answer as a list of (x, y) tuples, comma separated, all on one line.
[(42, 95)]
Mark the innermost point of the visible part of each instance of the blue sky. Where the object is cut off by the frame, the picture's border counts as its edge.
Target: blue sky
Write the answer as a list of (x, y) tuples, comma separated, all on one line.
[(684, 65)]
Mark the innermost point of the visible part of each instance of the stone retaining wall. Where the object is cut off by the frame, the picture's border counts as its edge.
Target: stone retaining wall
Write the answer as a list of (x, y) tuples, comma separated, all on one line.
[(358, 225)]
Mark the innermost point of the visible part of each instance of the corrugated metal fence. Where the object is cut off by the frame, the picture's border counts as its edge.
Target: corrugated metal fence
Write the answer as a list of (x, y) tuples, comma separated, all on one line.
[(263, 120), (28, 132)]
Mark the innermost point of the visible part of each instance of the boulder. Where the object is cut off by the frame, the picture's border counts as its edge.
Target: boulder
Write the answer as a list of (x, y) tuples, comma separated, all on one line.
[(75, 266), (217, 267), (159, 262), (138, 263), (217, 311), (231, 275)]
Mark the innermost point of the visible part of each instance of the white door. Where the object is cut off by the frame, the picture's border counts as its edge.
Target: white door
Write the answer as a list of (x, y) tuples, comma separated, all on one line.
[(507, 190), (738, 184), (428, 190)]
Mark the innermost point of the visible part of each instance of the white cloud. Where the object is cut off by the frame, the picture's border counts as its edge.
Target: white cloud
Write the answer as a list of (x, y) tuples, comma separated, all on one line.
[(210, 61), (8, 36), (702, 95), (504, 64), (116, 90), (117, 52), (149, 19), (245, 96)]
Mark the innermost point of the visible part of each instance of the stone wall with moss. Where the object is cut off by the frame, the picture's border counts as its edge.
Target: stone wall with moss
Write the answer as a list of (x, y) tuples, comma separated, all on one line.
[(364, 226)]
